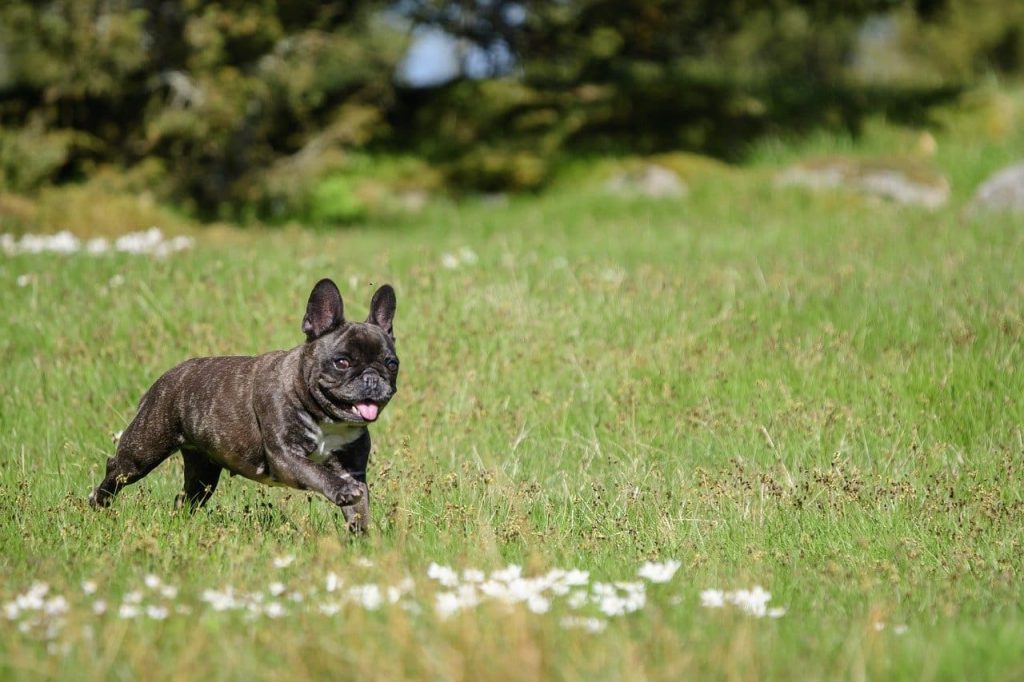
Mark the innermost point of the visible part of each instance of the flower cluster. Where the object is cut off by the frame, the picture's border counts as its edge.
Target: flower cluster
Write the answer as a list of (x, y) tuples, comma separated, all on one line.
[(464, 257), (149, 242), (585, 605), (753, 601)]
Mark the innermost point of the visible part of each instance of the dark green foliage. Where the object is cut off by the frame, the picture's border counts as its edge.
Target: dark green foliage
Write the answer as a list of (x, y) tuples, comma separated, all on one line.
[(224, 92), (709, 75), (253, 109)]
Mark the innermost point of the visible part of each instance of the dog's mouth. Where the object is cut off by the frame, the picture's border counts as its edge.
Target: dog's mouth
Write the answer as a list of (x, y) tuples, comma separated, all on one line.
[(359, 410), (366, 410)]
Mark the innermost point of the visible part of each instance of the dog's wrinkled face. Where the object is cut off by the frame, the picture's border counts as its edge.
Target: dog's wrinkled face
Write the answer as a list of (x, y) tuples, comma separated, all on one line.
[(350, 368)]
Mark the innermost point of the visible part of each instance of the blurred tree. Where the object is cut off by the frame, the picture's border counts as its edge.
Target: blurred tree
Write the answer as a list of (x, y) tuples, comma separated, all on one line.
[(242, 107), (220, 92), (705, 75)]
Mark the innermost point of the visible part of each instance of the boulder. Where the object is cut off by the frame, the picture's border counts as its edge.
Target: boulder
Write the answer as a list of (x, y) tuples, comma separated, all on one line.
[(1002, 192), (648, 180), (904, 181)]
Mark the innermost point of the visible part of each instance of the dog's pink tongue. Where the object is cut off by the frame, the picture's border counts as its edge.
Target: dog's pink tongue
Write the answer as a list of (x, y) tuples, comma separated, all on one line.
[(368, 411)]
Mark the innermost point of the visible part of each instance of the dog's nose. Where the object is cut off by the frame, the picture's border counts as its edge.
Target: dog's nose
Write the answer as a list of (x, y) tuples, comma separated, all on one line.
[(375, 386)]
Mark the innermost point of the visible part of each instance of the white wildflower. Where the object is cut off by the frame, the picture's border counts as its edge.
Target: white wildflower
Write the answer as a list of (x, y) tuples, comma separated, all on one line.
[(507, 574), (368, 596), (220, 601), (712, 599), (538, 604), (473, 575), (99, 607), (284, 561), (168, 591), (55, 606), (276, 588), (139, 242), (128, 611), (156, 612), (151, 581), (753, 601), (578, 599), (62, 242), (97, 246), (629, 587), (592, 625), (659, 572), (443, 574), (274, 610), (576, 577), (88, 587), (446, 604), (332, 581)]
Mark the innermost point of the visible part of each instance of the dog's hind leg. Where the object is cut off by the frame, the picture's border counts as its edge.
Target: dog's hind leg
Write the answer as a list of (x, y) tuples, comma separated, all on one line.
[(144, 444), (201, 476)]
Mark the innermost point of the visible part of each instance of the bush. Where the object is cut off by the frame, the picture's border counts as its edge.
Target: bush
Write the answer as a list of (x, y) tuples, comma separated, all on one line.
[(334, 201)]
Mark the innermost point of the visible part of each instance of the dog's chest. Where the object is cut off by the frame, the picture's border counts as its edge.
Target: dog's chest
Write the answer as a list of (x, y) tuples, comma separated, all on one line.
[(331, 436)]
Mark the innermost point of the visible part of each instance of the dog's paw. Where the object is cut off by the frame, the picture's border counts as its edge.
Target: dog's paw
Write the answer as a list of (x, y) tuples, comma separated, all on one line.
[(99, 499), (346, 494)]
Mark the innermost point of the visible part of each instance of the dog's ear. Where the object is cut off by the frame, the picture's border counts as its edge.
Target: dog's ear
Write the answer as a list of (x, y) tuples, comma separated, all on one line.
[(324, 312), (382, 309)]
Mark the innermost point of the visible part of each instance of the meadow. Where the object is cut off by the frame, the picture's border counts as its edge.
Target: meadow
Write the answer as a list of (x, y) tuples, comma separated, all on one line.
[(816, 394)]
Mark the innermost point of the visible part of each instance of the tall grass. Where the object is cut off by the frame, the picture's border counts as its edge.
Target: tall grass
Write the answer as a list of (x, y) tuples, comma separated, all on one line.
[(814, 393)]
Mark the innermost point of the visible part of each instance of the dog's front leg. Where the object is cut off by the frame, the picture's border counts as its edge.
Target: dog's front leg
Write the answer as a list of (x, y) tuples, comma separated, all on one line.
[(287, 443), (351, 460), (293, 468)]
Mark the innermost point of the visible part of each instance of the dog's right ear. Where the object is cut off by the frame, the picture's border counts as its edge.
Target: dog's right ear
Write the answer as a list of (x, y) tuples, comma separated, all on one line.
[(324, 312)]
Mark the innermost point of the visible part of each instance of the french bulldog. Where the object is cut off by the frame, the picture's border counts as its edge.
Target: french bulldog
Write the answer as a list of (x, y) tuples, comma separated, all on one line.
[(294, 418)]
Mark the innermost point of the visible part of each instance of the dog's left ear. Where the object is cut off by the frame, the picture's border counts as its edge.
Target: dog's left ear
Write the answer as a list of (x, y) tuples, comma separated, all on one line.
[(324, 311), (382, 309)]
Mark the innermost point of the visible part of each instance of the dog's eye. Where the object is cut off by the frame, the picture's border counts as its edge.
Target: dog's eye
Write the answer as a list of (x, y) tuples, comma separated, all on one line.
[(391, 364), (342, 363)]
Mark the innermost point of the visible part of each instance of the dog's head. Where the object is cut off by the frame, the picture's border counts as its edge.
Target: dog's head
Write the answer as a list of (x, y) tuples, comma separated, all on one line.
[(350, 368)]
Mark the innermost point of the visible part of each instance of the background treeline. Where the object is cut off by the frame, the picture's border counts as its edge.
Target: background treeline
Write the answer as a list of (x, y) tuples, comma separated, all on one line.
[(267, 109)]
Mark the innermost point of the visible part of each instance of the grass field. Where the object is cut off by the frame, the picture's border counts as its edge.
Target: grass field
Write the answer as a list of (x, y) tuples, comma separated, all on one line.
[(816, 394)]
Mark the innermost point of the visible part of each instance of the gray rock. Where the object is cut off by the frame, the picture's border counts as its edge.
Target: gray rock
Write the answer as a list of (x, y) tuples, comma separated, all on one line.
[(903, 181), (649, 180), (1001, 192), (412, 200)]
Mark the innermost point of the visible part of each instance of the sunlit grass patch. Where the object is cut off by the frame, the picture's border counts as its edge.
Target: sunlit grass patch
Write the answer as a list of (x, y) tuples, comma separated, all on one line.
[(694, 403)]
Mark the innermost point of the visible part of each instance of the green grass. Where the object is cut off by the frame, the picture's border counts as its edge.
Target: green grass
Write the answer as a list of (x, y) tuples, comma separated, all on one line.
[(815, 393)]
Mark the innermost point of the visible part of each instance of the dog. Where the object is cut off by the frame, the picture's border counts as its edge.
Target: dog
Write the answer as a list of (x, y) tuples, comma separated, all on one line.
[(295, 418)]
